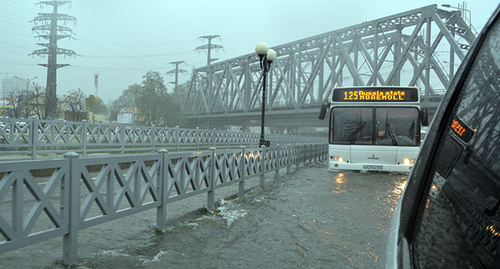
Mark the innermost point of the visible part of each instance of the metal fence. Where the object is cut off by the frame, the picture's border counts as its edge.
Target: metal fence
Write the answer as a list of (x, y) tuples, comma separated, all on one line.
[(34, 138), (48, 198)]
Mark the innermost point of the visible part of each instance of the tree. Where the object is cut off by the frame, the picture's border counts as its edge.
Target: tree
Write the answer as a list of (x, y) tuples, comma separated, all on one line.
[(179, 92), (14, 110), (37, 103), (75, 101), (95, 104), (171, 111), (149, 98), (153, 103), (127, 99)]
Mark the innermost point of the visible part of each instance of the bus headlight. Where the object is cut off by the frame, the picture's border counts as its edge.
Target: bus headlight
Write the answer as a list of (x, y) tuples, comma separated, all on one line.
[(408, 161), (338, 159)]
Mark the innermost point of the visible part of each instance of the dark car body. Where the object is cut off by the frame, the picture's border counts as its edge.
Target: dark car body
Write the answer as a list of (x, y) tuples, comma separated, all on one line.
[(449, 214)]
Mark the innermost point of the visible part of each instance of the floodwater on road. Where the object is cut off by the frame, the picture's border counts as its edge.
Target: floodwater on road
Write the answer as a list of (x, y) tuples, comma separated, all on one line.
[(309, 218)]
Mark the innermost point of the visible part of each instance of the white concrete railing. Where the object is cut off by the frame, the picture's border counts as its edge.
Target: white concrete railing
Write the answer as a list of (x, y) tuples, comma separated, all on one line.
[(35, 138), (48, 198)]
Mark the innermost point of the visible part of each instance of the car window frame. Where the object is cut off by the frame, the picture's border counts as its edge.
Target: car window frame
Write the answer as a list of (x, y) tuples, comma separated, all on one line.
[(420, 179)]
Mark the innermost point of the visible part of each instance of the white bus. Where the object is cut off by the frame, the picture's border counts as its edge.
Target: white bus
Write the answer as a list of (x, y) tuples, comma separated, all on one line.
[(375, 128)]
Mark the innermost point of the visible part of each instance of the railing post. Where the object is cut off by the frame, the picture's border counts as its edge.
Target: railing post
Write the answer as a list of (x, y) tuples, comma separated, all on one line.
[(122, 139), (34, 138), (299, 156), (70, 240), (177, 138), (316, 152), (239, 137), (197, 137), (310, 153), (212, 180), (152, 137), (161, 211), (262, 165), (278, 159), (242, 166), (288, 156), (313, 153), (325, 151), (214, 135), (84, 138)]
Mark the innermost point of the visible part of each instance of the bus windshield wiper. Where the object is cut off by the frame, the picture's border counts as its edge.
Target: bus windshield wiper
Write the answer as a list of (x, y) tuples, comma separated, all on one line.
[(358, 129), (388, 128)]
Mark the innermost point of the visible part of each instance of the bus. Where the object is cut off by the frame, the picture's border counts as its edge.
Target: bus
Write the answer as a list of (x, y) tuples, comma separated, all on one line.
[(374, 128)]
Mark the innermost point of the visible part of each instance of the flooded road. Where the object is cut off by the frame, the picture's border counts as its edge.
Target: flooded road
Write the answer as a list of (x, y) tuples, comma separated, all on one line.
[(309, 218)]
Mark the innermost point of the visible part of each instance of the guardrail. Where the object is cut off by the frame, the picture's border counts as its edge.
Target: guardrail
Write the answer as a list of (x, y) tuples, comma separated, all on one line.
[(44, 199), (33, 138)]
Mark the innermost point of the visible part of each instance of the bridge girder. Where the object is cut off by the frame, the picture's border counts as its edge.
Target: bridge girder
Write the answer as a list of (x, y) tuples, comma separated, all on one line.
[(418, 47)]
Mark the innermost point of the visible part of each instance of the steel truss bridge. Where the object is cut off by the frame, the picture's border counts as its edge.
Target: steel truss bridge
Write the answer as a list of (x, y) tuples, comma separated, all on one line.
[(420, 47)]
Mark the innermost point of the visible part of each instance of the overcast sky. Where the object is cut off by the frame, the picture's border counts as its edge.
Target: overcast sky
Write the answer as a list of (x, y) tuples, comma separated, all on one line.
[(122, 40)]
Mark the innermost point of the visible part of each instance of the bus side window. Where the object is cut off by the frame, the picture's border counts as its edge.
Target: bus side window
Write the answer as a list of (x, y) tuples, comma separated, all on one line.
[(424, 117)]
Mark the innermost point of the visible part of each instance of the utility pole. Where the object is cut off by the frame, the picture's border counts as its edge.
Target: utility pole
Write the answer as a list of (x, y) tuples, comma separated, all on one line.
[(96, 83), (176, 71), (209, 46), (51, 31)]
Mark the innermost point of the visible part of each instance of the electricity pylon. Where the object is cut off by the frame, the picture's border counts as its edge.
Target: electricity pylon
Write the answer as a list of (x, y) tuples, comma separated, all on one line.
[(209, 47), (51, 31), (176, 72)]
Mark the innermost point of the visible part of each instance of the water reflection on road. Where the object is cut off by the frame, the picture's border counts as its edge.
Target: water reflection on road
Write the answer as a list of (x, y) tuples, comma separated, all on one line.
[(310, 218)]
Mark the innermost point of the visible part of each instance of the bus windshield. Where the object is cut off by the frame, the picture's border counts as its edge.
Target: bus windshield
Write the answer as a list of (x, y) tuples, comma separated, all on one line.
[(391, 126)]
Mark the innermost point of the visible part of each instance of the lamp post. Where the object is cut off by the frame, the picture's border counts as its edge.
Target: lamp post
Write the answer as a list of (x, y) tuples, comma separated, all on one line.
[(27, 93), (266, 58)]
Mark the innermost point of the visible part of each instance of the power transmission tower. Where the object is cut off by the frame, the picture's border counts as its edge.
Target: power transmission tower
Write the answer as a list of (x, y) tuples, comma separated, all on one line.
[(176, 71), (51, 31), (209, 46)]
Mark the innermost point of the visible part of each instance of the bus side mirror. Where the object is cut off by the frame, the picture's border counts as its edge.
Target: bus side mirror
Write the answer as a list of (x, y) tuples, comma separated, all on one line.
[(322, 112), (424, 116)]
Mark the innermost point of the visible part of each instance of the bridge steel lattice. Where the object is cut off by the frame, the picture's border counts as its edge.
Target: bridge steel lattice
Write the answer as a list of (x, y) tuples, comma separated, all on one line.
[(419, 47)]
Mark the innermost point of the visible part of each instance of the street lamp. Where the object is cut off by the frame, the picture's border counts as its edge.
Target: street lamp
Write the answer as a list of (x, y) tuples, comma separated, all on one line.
[(28, 84), (266, 57)]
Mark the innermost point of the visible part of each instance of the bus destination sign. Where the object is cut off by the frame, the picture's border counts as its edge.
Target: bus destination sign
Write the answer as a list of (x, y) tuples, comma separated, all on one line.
[(375, 95)]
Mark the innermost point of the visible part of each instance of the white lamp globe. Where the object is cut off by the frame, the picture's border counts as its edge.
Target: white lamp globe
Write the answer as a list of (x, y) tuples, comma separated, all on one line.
[(261, 49), (271, 55)]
